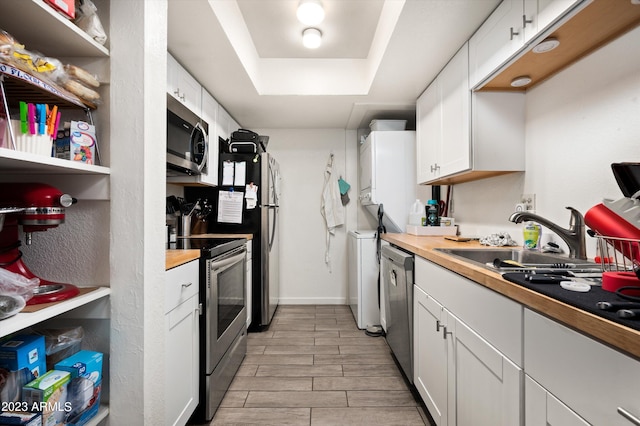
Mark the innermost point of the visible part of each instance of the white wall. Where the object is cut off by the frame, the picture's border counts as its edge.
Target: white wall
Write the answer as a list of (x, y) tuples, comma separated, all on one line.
[(577, 124), (305, 278)]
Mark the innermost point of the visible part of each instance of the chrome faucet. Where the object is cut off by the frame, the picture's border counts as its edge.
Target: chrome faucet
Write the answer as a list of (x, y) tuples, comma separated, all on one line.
[(574, 236)]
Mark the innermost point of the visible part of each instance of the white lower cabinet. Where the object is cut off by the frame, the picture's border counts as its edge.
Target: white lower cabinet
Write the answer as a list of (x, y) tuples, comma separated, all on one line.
[(595, 382), (181, 327), (543, 409), (430, 355), (462, 377)]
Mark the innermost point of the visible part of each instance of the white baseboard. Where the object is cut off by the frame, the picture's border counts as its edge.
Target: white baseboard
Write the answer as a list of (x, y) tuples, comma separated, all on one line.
[(313, 301)]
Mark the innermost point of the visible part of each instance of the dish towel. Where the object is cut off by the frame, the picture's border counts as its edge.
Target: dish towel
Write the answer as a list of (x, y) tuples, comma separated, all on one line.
[(331, 206), (498, 240)]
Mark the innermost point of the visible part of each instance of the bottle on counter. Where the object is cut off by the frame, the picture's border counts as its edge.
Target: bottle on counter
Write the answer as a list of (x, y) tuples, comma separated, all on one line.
[(416, 214), (433, 213), (531, 235)]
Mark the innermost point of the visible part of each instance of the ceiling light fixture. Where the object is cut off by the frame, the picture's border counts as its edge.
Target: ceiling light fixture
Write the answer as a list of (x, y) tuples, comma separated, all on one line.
[(311, 38), (546, 45), (520, 81), (310, 12)]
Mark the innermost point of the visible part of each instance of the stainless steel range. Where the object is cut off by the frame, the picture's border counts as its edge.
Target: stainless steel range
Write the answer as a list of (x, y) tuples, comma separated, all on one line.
[(223, 331)]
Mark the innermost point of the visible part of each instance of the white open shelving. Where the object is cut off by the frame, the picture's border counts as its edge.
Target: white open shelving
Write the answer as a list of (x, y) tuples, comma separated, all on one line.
[(27, 319)]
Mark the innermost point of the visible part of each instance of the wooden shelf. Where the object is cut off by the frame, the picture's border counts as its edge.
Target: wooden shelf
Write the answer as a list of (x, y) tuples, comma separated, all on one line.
[(36, 25), (27, 319)]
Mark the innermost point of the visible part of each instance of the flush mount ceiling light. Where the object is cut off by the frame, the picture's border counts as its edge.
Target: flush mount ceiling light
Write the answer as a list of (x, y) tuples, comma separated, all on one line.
[(310, 12), (520, 81), (546, 45), (311, 38)]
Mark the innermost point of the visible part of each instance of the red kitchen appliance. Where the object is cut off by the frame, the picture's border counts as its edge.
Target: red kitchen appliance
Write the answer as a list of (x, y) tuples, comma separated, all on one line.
[(36, 207)]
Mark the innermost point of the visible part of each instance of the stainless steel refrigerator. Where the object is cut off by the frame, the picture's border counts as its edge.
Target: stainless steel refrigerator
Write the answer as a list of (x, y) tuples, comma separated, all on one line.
[(247, 201)]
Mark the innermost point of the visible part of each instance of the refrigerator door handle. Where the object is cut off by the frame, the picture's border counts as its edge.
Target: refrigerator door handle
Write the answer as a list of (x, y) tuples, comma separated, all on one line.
[(270, 206)]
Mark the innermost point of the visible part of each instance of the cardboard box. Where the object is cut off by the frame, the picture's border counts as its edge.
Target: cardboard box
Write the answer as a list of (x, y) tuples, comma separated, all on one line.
[(20, 419), (24, 351), (66, 7), (48, 394), (86, 364), (77, 143), (85, 387)]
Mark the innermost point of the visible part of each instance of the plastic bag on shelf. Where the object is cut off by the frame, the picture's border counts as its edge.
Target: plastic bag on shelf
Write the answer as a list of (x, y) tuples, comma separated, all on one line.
[(12, 284), (7, 45), (61, 343), (87, 19)]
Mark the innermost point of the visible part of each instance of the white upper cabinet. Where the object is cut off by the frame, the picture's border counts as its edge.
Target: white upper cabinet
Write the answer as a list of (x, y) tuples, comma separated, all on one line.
[(456, 129), (499, 38), (512, 26), (182, 86)]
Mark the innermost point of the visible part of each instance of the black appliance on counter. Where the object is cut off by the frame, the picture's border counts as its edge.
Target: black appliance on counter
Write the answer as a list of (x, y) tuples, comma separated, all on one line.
[(223, 330), (247, 202)]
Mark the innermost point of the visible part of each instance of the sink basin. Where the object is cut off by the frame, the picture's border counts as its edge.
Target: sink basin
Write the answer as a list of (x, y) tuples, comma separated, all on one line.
[(527, 258)]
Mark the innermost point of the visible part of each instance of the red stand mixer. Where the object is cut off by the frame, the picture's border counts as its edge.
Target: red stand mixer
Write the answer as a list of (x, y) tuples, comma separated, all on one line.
[(37, 207)]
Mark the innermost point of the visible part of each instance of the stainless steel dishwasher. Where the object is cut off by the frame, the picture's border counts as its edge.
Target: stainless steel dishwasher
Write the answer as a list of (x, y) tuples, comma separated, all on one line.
[(396, 269)]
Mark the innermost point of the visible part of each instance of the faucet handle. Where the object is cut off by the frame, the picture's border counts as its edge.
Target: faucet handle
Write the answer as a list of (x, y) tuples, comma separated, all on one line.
[(577, 220)]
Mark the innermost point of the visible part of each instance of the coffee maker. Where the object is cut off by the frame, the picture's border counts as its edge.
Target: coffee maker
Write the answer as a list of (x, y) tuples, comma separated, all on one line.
[(37, 207)]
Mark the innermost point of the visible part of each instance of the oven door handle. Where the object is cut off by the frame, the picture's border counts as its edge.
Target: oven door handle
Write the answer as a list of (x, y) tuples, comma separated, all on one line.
[(228, 259)]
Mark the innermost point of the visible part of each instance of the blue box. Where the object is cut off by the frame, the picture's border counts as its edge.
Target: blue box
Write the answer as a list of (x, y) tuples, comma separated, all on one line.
[(20, 418), (24, 351), (85, 387), (86, 364)]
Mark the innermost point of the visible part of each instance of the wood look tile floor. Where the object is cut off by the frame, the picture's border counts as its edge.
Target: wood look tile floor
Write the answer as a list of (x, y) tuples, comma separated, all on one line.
[(313, 366)]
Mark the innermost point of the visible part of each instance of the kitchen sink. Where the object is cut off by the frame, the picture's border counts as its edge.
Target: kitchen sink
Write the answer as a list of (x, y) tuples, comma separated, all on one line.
[(531, 259)]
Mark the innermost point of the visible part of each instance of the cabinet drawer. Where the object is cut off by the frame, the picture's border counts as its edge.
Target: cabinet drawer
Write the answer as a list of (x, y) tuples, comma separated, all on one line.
[(495, 317), (589, 377), (181, 283)]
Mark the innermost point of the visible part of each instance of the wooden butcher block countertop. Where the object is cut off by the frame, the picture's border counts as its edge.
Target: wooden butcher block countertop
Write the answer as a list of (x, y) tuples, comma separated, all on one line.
[(175, 258), (616, 335)]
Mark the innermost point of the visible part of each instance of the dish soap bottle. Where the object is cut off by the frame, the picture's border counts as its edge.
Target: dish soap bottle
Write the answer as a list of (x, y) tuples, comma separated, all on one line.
[(531, 234), (416, 214)]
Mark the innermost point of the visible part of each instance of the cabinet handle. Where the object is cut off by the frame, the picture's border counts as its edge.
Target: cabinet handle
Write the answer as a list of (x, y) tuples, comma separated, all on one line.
[(186, 285), (434, 167), (445, 332), (627, 415), (177, 92), (513, 33), (438, 325), (199, 309), (525, 21)]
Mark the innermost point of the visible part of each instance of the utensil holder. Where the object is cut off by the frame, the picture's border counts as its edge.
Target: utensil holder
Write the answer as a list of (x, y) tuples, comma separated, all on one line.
[(34, 144), (185, 226)]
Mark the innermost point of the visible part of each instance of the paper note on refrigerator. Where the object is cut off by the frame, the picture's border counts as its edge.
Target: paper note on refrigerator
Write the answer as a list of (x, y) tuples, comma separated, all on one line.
[(251, 195), (227, 173), (241, 173), (230, 206)]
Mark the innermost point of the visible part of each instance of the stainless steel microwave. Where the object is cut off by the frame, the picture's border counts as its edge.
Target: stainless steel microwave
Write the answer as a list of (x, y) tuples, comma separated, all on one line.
[(187, 141)]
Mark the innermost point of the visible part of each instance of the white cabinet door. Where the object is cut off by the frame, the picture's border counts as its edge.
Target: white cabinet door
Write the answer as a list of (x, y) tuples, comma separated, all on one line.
[(543, 409), (181, 362), (430, 354), (181, 327), (223, 123), (428, 133), (597, 382), (485, 388), (455, 150), (182, 86), (499, 38), (210, 114), (543, 13)]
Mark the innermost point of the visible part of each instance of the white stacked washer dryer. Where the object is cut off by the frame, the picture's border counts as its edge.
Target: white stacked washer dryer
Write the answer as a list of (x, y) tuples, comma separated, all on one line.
[(387, 182)]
